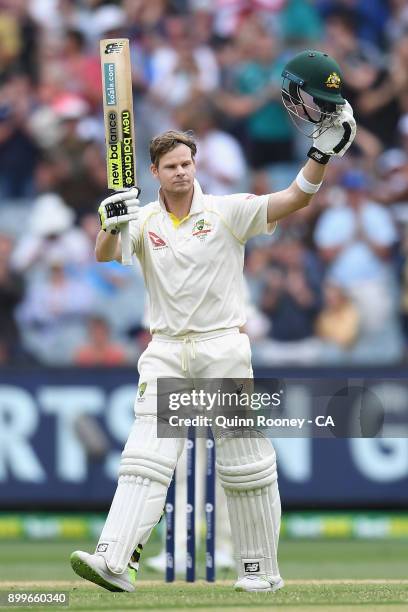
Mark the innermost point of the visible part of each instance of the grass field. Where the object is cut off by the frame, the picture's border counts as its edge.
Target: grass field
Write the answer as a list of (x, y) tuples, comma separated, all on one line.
[(322, 575)]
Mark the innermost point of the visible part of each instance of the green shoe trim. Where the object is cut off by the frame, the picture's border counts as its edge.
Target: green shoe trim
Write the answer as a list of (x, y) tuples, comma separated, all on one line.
[(85, 571)]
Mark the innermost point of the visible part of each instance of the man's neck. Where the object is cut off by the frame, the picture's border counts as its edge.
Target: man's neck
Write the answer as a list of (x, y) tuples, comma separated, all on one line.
[(178, 205)]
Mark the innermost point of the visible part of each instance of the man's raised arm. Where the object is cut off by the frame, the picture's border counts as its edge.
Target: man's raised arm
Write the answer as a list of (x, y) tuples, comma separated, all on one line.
[(329, 141), (311, 93), (282, 203)]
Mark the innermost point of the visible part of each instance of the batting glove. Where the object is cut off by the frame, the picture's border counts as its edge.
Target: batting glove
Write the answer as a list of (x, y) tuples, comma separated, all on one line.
[(334, 139), (119, 208)]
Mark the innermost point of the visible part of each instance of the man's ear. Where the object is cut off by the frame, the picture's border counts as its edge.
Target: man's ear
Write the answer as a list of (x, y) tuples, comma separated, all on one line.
[(154, 170)]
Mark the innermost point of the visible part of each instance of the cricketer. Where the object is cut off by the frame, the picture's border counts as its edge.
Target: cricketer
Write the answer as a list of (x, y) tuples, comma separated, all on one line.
[(191, 249)]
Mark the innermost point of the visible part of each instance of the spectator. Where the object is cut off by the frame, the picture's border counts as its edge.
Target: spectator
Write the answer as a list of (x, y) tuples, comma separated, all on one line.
[(289, 304), (82, 70), (392, 170), (397, 25), (52, 314), (18, 152), (368, 16), (50, 230), (355, 240), (290, 293), (181, 71), (100, 350), (338, 321), (18, 35), (368, 85)]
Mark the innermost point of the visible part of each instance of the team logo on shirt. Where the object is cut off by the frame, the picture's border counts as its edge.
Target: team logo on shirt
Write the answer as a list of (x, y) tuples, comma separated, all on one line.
[(201, 228), (158, 243)]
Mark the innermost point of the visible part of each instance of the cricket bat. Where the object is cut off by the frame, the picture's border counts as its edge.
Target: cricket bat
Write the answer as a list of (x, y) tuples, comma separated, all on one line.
[(119, 123)]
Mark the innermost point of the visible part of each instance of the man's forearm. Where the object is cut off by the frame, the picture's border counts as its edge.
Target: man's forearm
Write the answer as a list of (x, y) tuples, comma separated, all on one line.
[(107, 246), (283, 203), (314, 172)]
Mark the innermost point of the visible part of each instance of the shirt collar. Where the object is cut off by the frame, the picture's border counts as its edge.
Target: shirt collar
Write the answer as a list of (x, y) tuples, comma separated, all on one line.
[(197, 205)]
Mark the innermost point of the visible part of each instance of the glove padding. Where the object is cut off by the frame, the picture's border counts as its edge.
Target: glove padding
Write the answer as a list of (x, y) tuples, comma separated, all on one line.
[(336, 139), (119, 208)]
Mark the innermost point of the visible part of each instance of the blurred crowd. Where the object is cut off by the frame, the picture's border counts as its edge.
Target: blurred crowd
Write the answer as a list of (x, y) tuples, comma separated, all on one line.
[(330, 287)]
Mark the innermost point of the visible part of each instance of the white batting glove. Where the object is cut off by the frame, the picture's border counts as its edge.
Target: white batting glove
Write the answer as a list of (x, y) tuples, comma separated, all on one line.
[(119, 208), (335, 139)]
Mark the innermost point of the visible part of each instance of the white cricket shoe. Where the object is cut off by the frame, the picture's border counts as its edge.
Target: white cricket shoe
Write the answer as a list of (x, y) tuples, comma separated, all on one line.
[(94, 569), (258, 584)]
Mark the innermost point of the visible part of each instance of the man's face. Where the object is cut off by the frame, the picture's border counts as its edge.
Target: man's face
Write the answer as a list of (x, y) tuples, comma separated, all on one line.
[(176, 170)]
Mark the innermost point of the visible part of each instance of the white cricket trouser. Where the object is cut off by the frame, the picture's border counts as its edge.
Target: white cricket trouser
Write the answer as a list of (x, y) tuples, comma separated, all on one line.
[(223, 353), (219, 354)]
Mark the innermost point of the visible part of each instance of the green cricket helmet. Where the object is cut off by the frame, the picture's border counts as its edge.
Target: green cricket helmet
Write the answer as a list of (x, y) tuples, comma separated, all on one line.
[(311, 91)]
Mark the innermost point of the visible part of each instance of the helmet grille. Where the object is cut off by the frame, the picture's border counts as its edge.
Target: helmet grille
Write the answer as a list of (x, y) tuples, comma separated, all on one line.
[(309, 114)]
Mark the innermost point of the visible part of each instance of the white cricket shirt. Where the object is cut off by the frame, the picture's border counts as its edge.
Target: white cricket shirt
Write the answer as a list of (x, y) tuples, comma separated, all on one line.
[(193, 268)]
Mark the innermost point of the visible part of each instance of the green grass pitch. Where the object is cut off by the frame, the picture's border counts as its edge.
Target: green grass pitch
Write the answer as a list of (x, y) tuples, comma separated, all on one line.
[(320, 575)]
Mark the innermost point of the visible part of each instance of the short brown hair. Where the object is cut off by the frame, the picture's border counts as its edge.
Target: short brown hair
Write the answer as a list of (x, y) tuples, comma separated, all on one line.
[(162, 144)]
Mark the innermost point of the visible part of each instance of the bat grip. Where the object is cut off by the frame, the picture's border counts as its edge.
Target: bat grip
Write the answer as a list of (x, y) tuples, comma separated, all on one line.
[(126, 245)]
